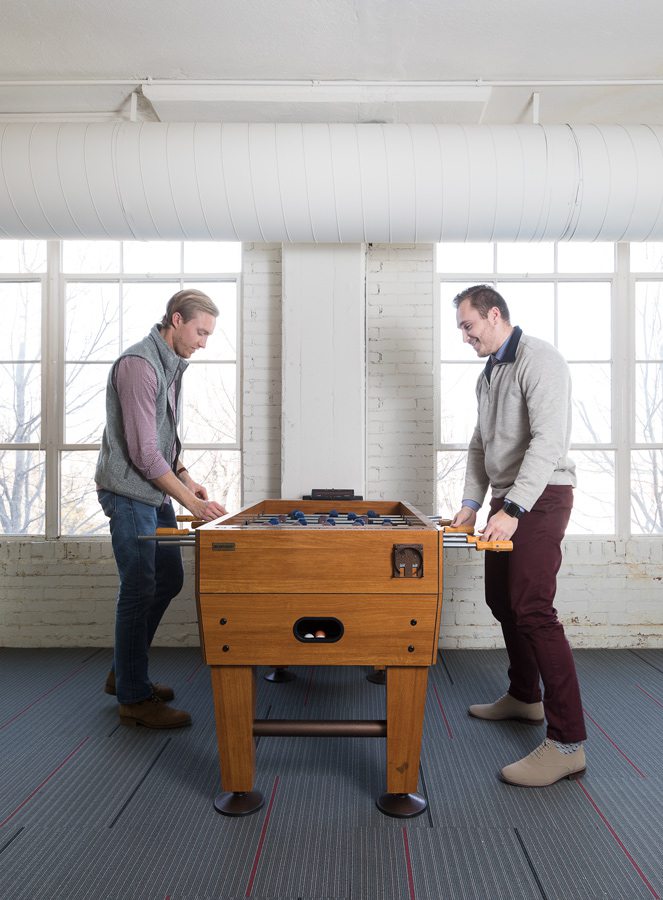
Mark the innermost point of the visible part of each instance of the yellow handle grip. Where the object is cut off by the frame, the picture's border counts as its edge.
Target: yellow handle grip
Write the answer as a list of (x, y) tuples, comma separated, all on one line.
[(494, 545)]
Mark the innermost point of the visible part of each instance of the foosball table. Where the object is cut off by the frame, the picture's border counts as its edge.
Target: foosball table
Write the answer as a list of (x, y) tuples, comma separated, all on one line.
[(314, 582)]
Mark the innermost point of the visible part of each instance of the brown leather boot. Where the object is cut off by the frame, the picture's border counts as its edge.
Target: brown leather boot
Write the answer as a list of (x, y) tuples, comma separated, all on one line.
[(162, 691), (153, 713)]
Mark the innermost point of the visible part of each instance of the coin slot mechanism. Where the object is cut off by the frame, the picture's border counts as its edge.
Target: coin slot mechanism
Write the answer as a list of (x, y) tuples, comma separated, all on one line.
[(408, 561)]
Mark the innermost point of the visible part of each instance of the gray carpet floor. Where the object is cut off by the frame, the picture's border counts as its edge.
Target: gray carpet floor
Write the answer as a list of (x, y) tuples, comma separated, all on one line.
[(91, 809)]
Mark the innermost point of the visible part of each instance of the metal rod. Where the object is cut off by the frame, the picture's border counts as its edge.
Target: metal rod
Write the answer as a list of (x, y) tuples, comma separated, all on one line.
[(319, 728), (169, 539)]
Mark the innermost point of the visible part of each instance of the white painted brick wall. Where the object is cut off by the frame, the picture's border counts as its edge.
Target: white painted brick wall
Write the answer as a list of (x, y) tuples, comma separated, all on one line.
[(62, 593), (399, 376), (608, 595), (261, 372)]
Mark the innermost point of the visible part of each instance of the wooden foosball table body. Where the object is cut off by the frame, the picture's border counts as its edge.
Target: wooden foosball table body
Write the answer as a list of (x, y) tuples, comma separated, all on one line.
[(372, 594)]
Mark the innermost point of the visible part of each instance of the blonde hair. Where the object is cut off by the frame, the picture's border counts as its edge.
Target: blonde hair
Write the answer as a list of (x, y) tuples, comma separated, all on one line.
[(188, 303)]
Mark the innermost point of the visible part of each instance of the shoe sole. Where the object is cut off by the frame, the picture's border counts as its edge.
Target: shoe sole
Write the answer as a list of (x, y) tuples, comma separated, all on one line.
[(523, 721), (126, 720), (571, 777), (166, 698)]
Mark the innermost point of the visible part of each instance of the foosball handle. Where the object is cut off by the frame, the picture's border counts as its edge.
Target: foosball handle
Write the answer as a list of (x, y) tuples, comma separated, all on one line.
[(497, 546)]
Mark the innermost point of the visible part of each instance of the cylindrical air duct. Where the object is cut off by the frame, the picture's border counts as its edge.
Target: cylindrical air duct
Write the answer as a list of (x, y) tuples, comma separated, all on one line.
[(331, 182)]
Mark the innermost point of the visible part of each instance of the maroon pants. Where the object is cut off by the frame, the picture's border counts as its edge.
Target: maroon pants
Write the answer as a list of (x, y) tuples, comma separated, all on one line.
[(520, 589)]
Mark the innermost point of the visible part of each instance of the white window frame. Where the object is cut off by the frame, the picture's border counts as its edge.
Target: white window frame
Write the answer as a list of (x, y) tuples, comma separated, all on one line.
[(52, 444), (622, 361)]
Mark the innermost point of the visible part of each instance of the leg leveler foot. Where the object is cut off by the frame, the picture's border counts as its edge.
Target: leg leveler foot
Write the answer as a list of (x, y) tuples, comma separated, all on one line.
[(402, 806), (239, 803)]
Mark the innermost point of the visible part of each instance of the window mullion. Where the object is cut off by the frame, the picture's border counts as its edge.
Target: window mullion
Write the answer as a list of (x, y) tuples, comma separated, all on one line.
[(53, 384), (622, 387)]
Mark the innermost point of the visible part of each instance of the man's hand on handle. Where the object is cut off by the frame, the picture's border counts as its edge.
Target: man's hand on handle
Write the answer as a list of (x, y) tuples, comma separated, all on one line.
[(191, 495), (464, 516), (499, 527)]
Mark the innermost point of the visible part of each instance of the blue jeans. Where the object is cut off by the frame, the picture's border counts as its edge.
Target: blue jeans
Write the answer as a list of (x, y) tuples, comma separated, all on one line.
[(151, 574)]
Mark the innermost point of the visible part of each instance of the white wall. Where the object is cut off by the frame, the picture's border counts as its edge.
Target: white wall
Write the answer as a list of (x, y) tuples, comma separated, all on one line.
[(62, 593)]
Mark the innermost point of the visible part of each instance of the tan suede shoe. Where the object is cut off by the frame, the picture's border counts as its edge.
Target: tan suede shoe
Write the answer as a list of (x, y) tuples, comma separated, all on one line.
[(544, 766), (153, 713), (162, 691), (507, 707)]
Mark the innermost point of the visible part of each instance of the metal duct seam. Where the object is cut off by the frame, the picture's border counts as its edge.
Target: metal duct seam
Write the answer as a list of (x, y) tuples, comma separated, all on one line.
[(337, 183)]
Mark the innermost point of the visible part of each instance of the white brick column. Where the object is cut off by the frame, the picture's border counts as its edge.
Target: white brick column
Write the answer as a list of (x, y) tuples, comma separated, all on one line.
[(323, 398)]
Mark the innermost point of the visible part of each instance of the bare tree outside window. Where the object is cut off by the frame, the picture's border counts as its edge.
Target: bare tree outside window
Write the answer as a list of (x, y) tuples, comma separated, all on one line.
[(556, 305), (22, 469), (647, 463), (107, 307)]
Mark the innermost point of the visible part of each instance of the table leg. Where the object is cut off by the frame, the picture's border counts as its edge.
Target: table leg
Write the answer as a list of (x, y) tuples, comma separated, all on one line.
[(234, 707), (406, 701)]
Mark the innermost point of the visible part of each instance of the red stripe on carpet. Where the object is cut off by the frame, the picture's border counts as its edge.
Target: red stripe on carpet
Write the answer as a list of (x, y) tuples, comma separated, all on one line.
[(41, 696), (605, 733), (195, 672), (45, 781), (618, 839), (408, 863), (657, 702), (439, 703), (256, 860)]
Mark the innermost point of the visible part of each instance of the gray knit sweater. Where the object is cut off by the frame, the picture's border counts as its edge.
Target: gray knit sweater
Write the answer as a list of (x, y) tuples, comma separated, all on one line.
[(115, 470), (521, 440)]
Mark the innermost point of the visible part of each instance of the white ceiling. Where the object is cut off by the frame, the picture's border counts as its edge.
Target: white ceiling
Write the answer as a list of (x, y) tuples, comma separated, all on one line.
[(465, 61)]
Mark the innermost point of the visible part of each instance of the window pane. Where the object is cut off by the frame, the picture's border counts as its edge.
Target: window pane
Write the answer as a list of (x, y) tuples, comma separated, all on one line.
[(648, 320), (210, 404), (212, 257), (465, 257), (20, 336), (143, 305), (451, 340), (92, 321), (80, 510), (647, 257), (85, 398), (584, 320), (592, 400), (22, 257), (450, 480), (458, 407), (649, 403), (91, 257), (146, 257), (581, 256), (532, 307), (20, 402), (223, 343), (646, 494), (220, 472), (22, 492), (522, 259), (594, 498)]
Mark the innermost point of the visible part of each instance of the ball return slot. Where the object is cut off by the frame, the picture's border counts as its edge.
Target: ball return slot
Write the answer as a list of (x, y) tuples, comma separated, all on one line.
[(318, 630)]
